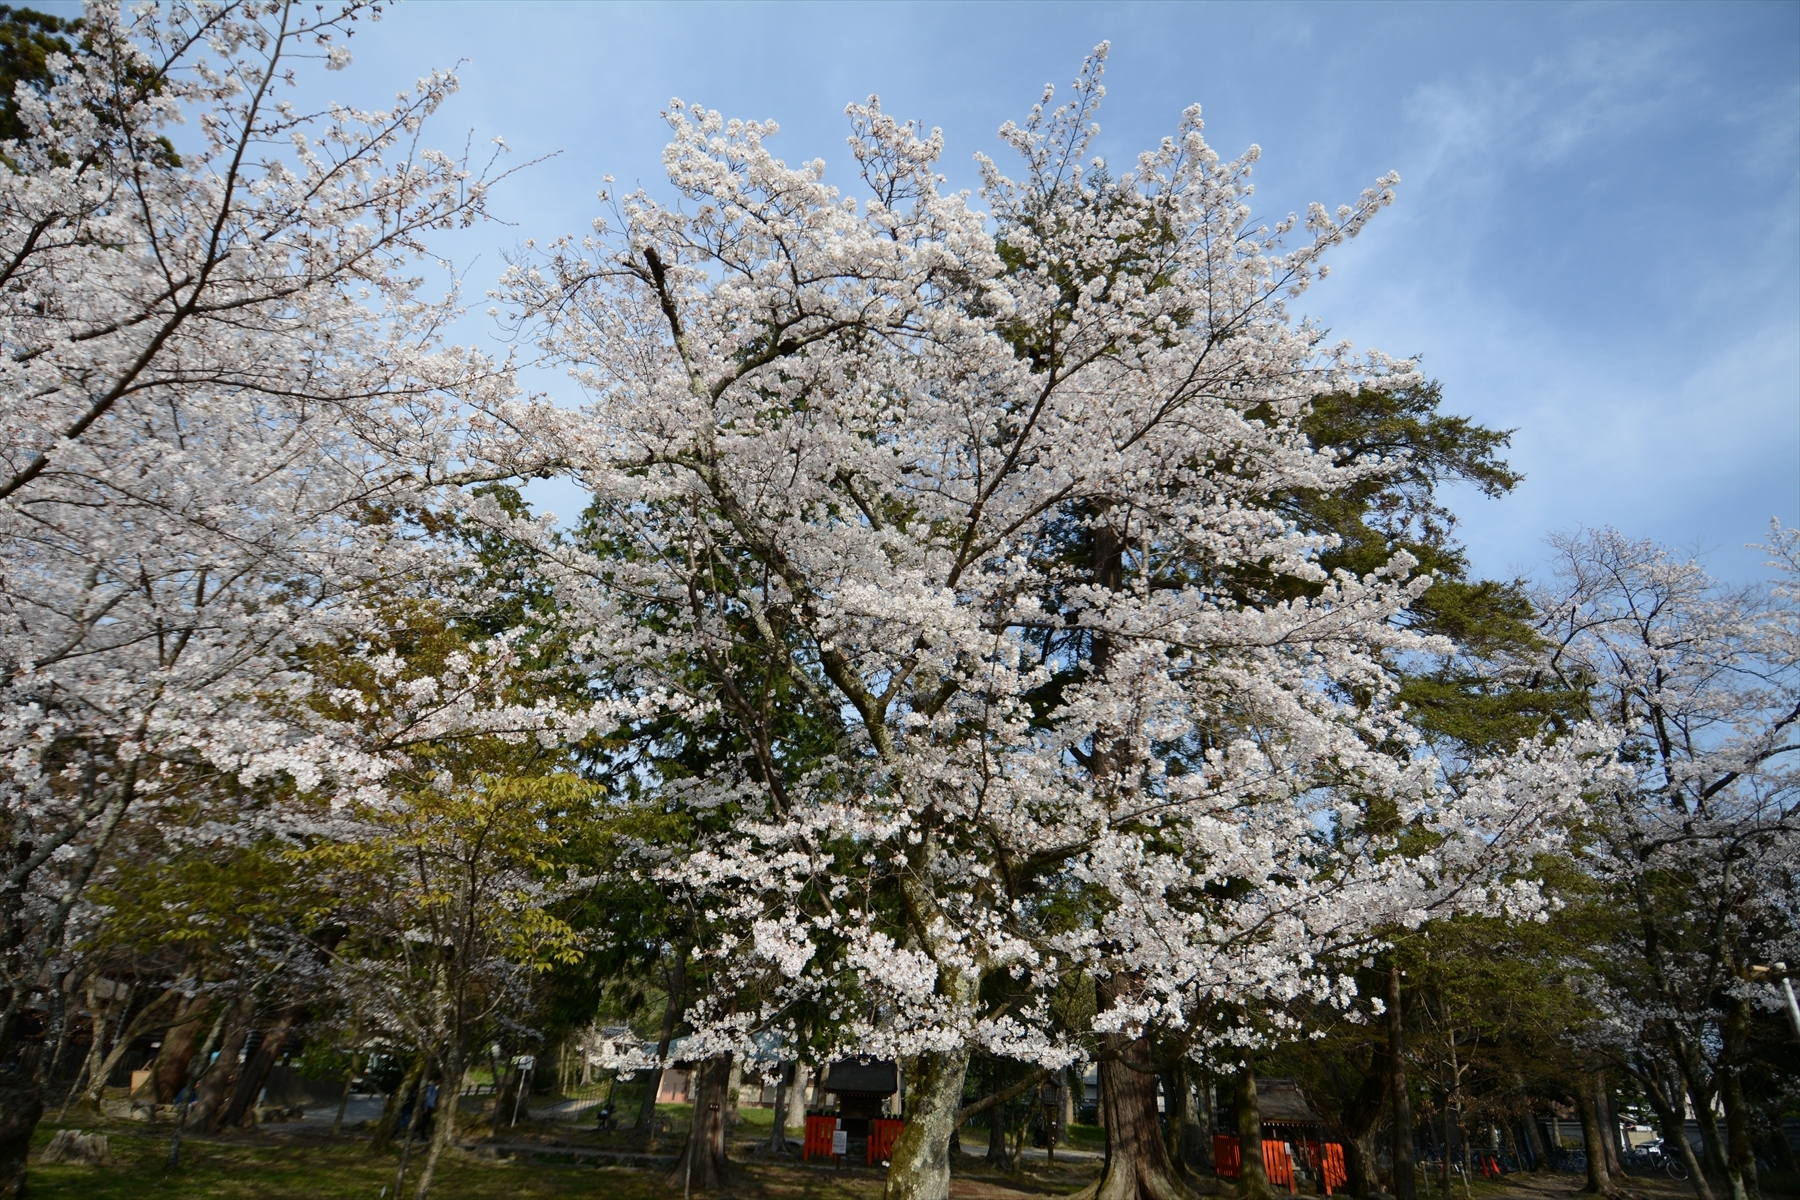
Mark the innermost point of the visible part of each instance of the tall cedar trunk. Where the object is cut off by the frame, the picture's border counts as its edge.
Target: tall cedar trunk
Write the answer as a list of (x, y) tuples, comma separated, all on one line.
[(169, 1073), (1445, 1156), (996, 1151), (1137, 1161), (1071, 1087), (920, 1166), (1599, 1180), (1183, 1135), (1253, 1178), (1406, 1186), (256, 1071), (444, 1131), (1361, 1160), (1609, 1123), (1668, 1105), (1740, 1152), (703, 1166), (671, 1013), (1203, 1113)]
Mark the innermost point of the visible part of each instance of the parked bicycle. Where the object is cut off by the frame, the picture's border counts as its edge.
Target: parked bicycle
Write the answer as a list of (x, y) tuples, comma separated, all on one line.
[(1653, 1159)]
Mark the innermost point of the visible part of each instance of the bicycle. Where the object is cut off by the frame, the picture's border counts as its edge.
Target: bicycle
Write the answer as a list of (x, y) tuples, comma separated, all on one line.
[(1652, 1159)]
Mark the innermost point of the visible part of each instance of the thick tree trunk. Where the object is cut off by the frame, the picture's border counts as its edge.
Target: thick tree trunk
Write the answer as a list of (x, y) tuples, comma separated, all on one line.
[(414, 1119), (1361, 1159), (21, 1108), (1534, 1141), (1253, 1178), (197, 1063), (1173, 1084), (1137, 1160), (920, 1166), (703, 1166), (256, 1071), (1184, 1138), (506, 1084), (996, 1151), (210, 1095), (1405, 1184), (797, 1097), (778, 1144), (1609, 1123), (1740, 1151), (1599, 1180), (169, 1073)]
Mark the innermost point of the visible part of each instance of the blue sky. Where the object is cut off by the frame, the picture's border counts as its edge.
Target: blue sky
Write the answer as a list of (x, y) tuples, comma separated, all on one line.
[(1597, 240)]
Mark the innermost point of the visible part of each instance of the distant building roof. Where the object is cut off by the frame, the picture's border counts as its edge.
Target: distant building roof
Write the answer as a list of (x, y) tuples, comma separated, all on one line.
[(877, 1078), (1281, 1101)]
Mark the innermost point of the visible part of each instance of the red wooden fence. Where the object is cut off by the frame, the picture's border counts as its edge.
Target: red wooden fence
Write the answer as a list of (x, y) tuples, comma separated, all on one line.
[(883, 1133), (1324, 1160), (818, 1137)]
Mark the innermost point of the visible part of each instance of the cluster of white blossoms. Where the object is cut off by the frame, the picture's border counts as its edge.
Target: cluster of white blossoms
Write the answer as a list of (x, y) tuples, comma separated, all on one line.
[(222, 400), (1696, 834), (946, 543), (957, 520)]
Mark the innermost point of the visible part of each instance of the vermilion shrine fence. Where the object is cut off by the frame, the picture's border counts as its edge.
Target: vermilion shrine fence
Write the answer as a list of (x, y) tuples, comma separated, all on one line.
[(1325, 1160)]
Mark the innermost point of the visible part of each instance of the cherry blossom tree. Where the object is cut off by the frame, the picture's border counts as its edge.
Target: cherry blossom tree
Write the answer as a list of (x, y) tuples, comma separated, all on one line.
[(956, 521), (221, 391), (1700, 842)]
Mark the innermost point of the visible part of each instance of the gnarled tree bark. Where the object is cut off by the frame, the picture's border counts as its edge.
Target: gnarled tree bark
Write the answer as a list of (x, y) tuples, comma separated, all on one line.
[(1137, 1160), (920, 1166), (703, 1166)]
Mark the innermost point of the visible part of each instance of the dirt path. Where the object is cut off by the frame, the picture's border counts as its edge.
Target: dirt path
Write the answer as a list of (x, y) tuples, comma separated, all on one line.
[(1548, 1186)]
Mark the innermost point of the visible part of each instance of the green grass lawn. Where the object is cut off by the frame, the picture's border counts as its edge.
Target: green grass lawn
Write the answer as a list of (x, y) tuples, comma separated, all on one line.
[(270, 1170)]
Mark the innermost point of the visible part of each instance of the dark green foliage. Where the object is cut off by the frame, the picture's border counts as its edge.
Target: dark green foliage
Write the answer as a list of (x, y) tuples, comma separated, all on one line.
[(27, 40), (1482, 698)]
